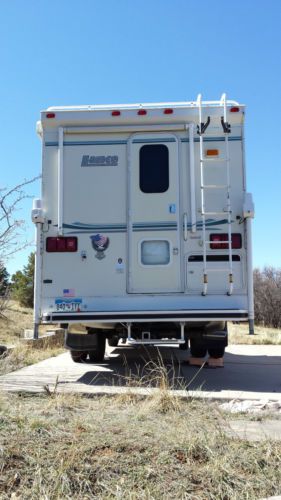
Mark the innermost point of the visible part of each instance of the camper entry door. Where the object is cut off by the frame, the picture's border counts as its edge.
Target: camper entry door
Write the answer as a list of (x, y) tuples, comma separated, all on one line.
[(153, 214)]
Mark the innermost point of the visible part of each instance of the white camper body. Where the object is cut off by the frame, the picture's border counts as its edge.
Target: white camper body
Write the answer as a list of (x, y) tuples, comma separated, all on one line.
[(139, 205)]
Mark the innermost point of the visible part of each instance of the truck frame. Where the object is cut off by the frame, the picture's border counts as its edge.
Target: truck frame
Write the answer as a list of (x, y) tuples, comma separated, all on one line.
[(143, 228)]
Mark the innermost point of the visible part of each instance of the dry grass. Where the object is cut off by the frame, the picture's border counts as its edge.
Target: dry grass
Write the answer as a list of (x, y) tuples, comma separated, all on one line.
[(67, 446), (239, 334), (23, 355), (16, 320), (62, 446)]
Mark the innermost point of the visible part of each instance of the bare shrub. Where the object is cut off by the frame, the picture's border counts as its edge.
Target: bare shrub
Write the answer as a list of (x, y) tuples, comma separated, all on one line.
[(267, 289)]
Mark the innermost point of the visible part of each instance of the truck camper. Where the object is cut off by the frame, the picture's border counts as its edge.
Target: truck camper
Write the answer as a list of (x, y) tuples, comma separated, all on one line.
[(143, 228)]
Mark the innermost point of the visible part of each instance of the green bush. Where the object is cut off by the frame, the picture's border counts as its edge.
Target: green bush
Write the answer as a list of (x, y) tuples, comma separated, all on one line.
[(4, 280), (23, 283)]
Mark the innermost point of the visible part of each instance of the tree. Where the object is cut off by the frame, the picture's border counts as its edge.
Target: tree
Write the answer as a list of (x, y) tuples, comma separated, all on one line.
[(267, 289), (11, 233), (4, 280), (10, 226), (23, 283)]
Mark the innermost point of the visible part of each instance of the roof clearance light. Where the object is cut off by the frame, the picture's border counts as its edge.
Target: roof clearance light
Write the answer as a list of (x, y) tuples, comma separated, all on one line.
[(50, 115), (142, 112), (234, 109), (168, 111), (212, 152), (115, 113)]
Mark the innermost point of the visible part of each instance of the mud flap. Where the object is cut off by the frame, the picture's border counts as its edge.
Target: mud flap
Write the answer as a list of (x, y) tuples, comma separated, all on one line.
[(215, 339), (80, 342)]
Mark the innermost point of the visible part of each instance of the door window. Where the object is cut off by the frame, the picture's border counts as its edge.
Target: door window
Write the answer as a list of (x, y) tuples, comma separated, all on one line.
[(155, 252), (154, 168)]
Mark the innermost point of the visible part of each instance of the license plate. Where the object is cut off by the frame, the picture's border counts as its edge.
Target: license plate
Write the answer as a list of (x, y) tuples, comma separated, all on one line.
[(63, 305)]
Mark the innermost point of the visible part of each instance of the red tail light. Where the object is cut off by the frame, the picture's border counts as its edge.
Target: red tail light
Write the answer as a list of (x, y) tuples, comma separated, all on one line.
[(50, 115), (116, 113), (61, 244), (219, 239), (168, 111), (234, 109), (142, 112)]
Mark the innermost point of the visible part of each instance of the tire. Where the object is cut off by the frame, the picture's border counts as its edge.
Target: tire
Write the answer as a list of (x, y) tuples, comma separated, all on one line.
[(113, 341), (197, 349), (216, 352), (97, 355), (78, 356)]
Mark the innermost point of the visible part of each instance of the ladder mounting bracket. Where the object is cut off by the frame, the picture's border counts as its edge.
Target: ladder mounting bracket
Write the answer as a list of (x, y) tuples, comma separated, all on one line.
[(203, 126), (225, 126)]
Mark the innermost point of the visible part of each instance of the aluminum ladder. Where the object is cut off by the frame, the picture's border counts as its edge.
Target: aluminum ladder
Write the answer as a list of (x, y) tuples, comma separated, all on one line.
[(224, 162)]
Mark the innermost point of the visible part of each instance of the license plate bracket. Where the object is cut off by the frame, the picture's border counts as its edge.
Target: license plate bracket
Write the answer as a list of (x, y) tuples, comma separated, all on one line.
[(68, 305)]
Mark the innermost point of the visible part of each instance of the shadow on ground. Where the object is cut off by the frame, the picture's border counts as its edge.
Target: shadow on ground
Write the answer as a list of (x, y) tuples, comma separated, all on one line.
[(247, 369), (143, 367)]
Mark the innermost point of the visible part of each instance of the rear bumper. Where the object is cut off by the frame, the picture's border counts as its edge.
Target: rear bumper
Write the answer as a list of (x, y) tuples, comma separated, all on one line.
[(147, 316)]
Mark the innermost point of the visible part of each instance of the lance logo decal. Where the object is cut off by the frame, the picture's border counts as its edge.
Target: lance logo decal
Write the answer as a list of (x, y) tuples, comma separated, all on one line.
[(99, 161)]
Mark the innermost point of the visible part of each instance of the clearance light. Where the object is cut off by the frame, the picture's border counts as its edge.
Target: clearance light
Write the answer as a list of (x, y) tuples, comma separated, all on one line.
[(116, 113), (212, 152), (61, 244), (219, 239), (168, 111), (142, 112), (50, 115), (234, 109)]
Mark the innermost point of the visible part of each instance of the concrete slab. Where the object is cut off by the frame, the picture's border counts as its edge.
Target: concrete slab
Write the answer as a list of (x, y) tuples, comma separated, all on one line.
[(254, 431), (250, 372)]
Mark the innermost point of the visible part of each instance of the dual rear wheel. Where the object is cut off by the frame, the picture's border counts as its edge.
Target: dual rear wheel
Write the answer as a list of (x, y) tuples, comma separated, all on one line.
[(199, 350), (95, 355)]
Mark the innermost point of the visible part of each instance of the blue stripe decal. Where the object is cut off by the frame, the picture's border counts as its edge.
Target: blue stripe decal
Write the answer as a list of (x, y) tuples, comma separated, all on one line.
[(81, 228), (213, 139), (117, 228), (168, 223), (151, 141), (154, 228), (100, 230), (139, 141), (94, 227)]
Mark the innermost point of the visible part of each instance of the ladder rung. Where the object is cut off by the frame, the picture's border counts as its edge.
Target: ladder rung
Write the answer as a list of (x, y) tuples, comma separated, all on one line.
[(222, 269), (215, 186), (219, 160)]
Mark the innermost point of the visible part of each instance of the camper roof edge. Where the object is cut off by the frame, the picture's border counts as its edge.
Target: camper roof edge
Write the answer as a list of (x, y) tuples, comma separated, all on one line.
[(148, 105)]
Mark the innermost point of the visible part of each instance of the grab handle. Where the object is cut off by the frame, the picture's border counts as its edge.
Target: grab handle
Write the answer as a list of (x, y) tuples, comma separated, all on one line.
[(185, 226)]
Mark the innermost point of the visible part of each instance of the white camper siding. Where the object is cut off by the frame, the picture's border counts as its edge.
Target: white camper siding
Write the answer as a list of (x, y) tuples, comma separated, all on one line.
[(94, 202), (94, 194), (215, 200), (103, 197), (218, 280)]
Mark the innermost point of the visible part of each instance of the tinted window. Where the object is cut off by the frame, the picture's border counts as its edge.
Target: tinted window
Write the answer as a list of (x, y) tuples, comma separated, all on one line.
[(154, 168)]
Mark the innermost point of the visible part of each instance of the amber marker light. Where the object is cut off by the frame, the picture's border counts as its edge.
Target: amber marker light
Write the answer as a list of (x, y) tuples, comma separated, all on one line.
[(212, 152)]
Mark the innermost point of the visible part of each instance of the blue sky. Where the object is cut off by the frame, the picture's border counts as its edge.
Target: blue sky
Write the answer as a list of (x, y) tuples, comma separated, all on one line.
[(68, 52)]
